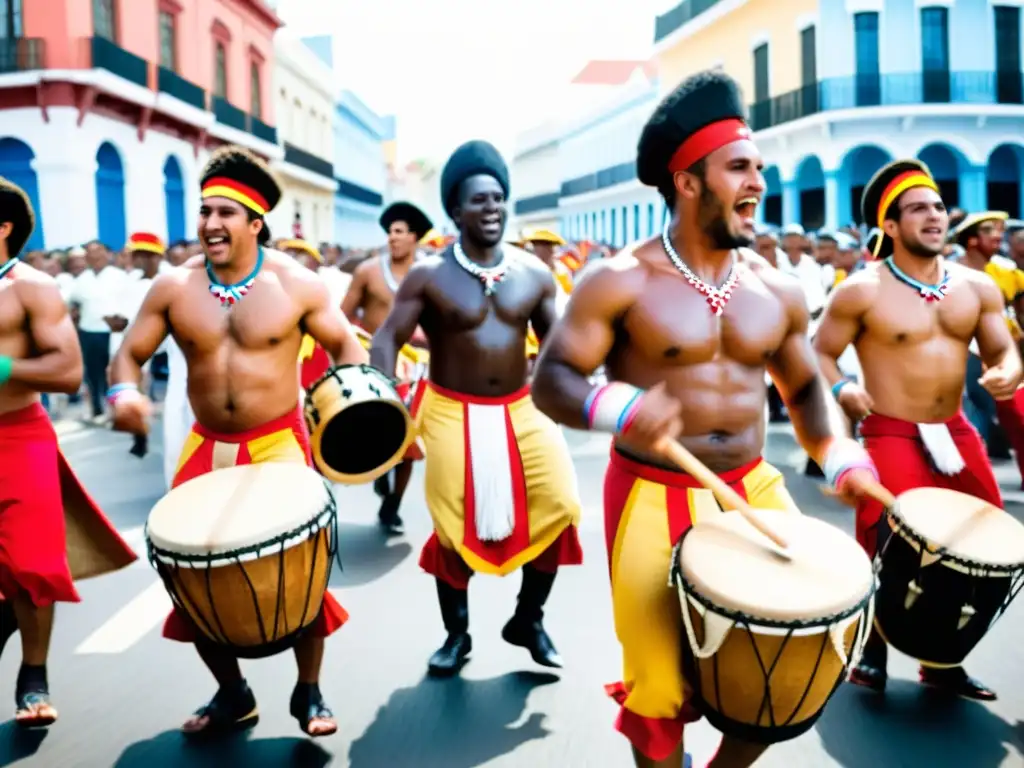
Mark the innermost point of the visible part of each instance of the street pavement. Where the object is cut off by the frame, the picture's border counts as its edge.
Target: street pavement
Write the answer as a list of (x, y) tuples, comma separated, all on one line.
[(123, 691)]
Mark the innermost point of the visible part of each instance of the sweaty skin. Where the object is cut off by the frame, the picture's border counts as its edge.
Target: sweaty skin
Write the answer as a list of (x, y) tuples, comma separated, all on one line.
[(636, 314), (476, 342), (237, 359), (913, 353)]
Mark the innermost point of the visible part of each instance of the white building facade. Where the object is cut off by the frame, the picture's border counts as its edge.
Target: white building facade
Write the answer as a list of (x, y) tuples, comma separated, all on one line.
[(304, 96), (361, 170), (580, 178)]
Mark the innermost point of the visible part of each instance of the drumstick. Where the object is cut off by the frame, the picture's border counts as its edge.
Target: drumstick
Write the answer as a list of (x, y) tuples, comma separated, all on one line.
[(726, 496), (875, 490)]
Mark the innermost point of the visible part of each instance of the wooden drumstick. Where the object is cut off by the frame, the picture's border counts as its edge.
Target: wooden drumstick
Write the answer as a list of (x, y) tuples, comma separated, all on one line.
[(726, 496)]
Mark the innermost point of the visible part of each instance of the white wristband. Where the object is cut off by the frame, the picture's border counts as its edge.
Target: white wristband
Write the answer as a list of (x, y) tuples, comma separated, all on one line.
[(844, 454), (611, 407)]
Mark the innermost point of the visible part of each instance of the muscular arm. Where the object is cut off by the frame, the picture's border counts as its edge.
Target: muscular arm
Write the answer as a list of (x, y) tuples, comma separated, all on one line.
[(146, 334), (580, 342), (329, 327), (842, 322), (994, 341), (57, 366), (353, 300), (794, 369), (401, 323), (543, 317)]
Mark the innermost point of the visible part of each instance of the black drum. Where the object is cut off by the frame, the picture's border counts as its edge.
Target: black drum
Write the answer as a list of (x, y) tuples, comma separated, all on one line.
[(949, 565)]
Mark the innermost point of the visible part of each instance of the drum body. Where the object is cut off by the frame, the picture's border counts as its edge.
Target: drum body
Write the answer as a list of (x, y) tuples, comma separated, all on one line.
[(247, 553), (948, 564), (769, 640), (359, 428)]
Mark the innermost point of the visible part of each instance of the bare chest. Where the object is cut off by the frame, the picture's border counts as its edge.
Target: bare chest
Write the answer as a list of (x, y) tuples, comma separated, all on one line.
[(674, 324), (459, 300), (902, 316), (263, 319), (12, 313)]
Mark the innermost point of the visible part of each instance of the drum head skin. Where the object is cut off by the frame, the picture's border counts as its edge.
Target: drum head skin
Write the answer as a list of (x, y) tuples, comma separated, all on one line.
[(967, 527), (726, 562), (238, 507)]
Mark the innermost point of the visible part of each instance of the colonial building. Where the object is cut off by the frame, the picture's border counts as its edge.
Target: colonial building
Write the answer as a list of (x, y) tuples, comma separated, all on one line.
[(837, 88), (110, 107), (304, 95), (360, 167)]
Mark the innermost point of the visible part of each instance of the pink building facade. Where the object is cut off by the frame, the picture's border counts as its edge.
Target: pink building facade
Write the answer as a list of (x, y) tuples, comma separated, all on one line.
[(110, 108)]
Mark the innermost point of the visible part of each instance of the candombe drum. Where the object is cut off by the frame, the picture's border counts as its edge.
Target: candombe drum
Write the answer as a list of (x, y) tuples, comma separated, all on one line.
[(359, 427), (246, 552), (949, 564), (769, 639)]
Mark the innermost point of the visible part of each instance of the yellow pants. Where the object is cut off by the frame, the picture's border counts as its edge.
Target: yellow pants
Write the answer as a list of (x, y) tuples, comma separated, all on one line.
[(647, 510)]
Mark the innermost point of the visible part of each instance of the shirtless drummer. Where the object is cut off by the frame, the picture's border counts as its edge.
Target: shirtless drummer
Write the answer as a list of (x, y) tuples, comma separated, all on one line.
[(687, 324), (911, 318), (238, 316), (500, 483), (370, 297)]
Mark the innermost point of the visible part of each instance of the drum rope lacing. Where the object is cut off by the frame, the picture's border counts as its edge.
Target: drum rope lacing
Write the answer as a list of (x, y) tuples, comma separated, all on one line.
[(313, 528)]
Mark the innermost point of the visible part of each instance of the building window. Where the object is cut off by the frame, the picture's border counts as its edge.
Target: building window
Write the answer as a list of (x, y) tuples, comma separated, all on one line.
[(220, 70), (935, 54), (808, 56), (168, 43), (868, 85), (255, 92), (10, 19), (1009, 85), (104, 20), (761, 109)]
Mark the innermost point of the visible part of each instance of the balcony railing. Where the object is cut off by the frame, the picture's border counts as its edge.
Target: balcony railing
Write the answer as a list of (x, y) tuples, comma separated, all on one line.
[(307, 160), (116, 60), (175, 85), (536, 203), (230, 115), (686, 11), (21, 54), (261, 130), (899, 89), (592, 182), (358, 193)]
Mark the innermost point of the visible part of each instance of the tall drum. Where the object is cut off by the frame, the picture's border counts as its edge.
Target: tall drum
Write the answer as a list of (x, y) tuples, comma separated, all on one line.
[(246, 552), (949, 566), (768, 639)]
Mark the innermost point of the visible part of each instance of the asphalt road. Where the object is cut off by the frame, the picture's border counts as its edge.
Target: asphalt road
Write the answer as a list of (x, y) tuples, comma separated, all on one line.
[(123, 691)]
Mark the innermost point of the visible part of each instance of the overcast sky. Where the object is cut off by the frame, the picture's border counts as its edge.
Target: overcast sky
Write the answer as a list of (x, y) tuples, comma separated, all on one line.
[(451, 70)]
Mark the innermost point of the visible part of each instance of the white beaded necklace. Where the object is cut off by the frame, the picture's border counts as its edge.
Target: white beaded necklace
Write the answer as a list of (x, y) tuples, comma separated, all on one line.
[(489, 276), (717, 298), (389, 276)]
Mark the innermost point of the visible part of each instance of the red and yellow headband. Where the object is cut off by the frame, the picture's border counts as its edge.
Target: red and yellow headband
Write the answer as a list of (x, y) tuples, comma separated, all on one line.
[(220, 186), (707, 140), (145, 241), (899, 185)]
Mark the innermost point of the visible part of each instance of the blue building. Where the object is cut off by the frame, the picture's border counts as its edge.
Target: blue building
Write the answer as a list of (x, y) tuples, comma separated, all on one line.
[(360, 167)]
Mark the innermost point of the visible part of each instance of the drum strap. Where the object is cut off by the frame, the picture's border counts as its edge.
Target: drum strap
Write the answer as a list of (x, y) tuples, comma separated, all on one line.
[(939, 444)]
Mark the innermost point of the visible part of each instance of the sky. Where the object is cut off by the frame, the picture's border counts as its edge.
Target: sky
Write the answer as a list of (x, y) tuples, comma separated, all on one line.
[(454, 70)]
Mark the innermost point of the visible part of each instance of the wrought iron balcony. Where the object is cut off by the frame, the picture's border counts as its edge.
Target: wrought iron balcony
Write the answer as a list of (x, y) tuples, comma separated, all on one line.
[(686, 11), (116, 60), (899, 89), (536, 203), (358, 193), (229, 115), (261, 130), (175, 85), (21, 54), (308, 160)]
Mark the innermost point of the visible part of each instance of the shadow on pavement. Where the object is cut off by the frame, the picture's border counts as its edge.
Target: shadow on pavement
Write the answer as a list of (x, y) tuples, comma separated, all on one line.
[(171, 750), (454, 723), (17, 743), (367, 554), (910, 727)]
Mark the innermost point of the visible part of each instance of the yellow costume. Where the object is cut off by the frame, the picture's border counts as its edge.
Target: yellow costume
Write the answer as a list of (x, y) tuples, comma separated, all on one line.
[(500, 484), (1010, 280), (647, 510)]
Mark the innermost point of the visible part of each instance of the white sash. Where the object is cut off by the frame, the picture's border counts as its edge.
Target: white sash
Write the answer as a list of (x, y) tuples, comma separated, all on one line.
[(493, 495), (939, 444)]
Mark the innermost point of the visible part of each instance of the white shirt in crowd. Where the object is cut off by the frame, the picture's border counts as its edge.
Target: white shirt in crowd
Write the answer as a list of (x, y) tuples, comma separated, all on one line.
[(97, 295)]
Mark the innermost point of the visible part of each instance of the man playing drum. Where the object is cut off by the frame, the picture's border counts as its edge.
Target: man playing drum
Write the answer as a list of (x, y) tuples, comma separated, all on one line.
[(39, 352), (238, 315), (913, 352), (500, 484), (686, 324), (368, 301)]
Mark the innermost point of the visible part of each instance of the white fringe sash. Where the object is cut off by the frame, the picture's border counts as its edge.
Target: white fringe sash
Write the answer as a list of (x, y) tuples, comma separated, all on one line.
[(493, 499), (939, 444)]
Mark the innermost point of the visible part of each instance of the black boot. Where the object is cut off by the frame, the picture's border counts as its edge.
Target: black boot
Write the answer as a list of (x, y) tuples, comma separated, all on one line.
[(388, 515), (871, 671), (450, 657), (525, 629), (8, 623)]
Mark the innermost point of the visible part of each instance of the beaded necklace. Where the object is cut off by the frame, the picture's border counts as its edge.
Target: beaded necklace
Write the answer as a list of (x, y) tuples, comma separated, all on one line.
[(11, 263), (928, 292), (717, 298), (229, 295), (489, 276)]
